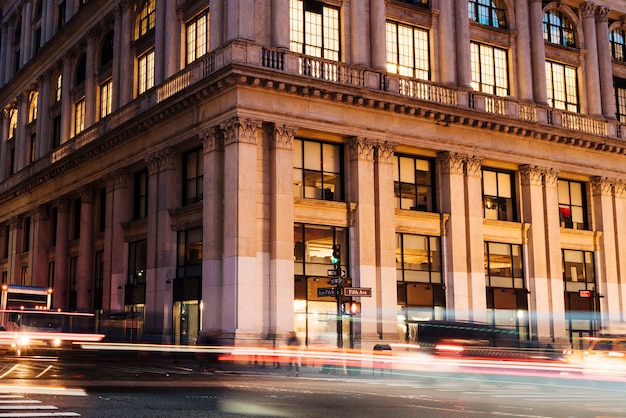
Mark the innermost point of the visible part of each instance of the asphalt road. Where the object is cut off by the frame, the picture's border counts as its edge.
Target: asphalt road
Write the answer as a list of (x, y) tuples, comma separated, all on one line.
[(136, 388)]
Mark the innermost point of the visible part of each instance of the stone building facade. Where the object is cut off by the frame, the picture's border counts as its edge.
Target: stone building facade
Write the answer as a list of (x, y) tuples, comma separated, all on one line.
[(187, 166)]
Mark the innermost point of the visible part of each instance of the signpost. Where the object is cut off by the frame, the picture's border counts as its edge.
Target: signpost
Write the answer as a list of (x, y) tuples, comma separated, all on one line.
[(357, 291), (326, 291)]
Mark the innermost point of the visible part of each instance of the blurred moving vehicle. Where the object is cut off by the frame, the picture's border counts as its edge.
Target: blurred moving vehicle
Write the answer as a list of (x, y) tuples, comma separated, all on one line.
[(602, 355)]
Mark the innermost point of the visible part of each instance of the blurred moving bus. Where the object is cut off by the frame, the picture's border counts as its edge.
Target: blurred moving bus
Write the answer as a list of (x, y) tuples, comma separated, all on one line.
[(25, 297)]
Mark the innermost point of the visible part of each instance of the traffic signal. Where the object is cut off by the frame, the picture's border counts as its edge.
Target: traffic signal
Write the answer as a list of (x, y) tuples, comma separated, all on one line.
[(336, 257), (352, 308)]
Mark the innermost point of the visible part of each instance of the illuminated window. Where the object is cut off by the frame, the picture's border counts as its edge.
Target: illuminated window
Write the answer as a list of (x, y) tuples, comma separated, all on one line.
[(572, 204), (421, 3), (59, 84), (558, 29), (147, 17), (418, 258), (408, 51), (79, 116), (106, 95), (12, 123), (314, 29), (487, 12), (562, 84), (197, 37), (490, 72), (498, 196), (617, 39), (504, 266), (145, 72), (413, 183), (578, 266), (317, 170), (32, 111)]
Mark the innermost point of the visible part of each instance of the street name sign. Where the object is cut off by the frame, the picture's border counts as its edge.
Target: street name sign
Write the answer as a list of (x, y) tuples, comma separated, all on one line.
[(336, 280), (357, 291), (325, 291)]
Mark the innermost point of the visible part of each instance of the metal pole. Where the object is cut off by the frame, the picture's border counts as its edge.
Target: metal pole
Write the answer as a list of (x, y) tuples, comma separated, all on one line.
[(339, 317)]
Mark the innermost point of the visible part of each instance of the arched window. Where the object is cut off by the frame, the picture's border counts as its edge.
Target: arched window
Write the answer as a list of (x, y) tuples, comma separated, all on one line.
[(558, 29), (32, 111), (107, 49), (487, 12), (57, 88), (81, 70), (147, 17), (618, 44)]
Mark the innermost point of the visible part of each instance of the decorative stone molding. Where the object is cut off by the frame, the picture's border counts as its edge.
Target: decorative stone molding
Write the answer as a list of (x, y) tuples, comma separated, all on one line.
[(117, 179), (588, 9), (239, 130), (619, 189), (550, 177), (361, 149), (473, 166), (212, 139), (87, 194), (17, 222), (601, 186), (63, 205), (602, 14), (531, 175), (281, 136), (451, 163), (41, 213), (385, 151)]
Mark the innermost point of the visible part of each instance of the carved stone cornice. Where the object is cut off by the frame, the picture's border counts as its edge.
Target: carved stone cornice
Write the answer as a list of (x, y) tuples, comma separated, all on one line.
[(473, 166), (212, 139), (451, 163), (361, 149), (385, 151), (240, 130), (531, 175), (281, 136), (602, 186)]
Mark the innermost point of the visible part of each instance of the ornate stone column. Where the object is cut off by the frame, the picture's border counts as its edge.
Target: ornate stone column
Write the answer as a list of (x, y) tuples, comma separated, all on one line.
[(363, 242), (462, 32), (90, 80), (42, 240), (118, 12), (160, 53), (475, 240), (43, 115), (14, 266), (607, 283), (605, 63), (61, 255), (84, 268), (386, 298), (118, 212), (21, 142), (49, 14), (8, 40), (242, 316), (533, 212), (458, 296), (538, 51), (124, 87), (216, 27), (619, 195), (378, 34), (447, 42), (524, 54), (66, 99), (281, 219), (4, 164), (358, 33), (212, 228), (588, 10), (172, 53), (280, 24), (554, 255), (27, 32)]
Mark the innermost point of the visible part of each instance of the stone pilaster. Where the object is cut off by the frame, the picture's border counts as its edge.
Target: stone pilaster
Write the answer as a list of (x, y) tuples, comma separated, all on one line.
[(61, 255), (475, 241), (592, 75), (605, 64), (538, 57), (84, 273)]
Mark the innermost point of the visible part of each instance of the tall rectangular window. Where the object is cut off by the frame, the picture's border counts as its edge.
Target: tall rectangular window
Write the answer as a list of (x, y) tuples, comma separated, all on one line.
[(498, 195), (197, 37), (106, 97), (98, 279), (562, 84), (620, 99), (193, 176), (572, 204), (317, 170), (189, 253), (418, 258), (56, 132), (314, 29), (413, 183), (79, 116), (145, 72), (140, 195), (490, 72), (137, 262), (408, 51)]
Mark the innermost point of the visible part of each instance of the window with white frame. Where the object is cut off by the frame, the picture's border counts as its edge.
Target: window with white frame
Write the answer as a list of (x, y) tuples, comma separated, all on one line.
[(408, 50), (197, 37), (145, 73), (562, 85), (490, 70), (314, 29)]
